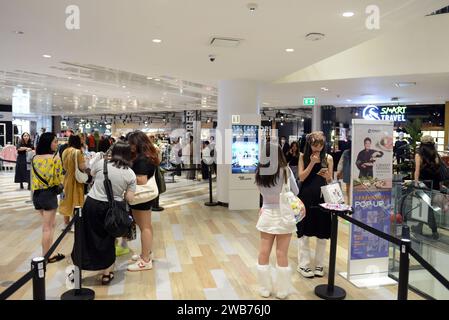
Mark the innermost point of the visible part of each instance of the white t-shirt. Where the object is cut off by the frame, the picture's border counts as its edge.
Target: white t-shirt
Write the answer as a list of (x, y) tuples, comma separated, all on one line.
[(121, 180)]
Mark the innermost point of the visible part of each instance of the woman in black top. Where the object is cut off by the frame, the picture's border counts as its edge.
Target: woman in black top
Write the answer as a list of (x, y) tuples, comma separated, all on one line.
[(22, 171), (315, 170), (293, 158), (145, 159), (427, 170)]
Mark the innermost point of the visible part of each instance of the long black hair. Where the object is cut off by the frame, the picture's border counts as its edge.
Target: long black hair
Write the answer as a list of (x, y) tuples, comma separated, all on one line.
[(44, 145), (429, 156), (316, 138), (268, 181), (297, 148), (121, 155), (75, 141), (22, 141)]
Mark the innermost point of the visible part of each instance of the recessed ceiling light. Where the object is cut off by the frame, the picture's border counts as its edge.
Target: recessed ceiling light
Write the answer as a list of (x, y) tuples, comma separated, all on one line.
[(70, 78), (149, 78), (348, 14), (123, 87), (324, 89), (157, 79), (157, 40), (46, 56), (290, 50), (79, 85), (348, 100)]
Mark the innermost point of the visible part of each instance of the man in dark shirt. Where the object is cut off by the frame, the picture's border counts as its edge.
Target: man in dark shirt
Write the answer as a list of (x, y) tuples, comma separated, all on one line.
[(399, 149), (366, 158)]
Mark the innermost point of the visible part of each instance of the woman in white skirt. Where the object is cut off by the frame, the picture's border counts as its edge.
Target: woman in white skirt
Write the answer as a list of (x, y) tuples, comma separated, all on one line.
[(270, 178)]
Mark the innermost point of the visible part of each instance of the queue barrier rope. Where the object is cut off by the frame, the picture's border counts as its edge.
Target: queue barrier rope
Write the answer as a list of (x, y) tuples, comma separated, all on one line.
[(36, 273), (330, 291), (17, 285)]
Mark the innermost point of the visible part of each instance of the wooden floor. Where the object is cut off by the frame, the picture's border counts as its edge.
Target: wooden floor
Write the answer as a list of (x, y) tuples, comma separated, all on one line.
[(200, 252)]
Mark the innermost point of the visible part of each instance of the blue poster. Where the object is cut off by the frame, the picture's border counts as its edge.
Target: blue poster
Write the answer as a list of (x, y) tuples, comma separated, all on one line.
[(373, 209)]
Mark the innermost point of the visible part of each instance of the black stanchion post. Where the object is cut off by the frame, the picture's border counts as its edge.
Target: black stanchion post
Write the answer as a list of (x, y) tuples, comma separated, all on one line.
[(330, 291), (79, 293), (211, 203), (38, 266), (404, 265)]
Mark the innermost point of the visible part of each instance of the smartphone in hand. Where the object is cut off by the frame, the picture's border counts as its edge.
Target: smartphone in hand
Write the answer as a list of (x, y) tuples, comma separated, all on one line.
[(323, 171)]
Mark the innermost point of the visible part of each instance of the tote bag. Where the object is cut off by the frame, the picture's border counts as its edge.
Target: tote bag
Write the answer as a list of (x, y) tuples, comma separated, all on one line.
[(80, 176), (289, 204), (332, 193), (146, 192)]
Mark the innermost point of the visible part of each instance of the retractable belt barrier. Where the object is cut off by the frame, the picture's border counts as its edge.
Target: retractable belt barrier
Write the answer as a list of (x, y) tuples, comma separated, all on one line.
[(38, 267), (331, 292)]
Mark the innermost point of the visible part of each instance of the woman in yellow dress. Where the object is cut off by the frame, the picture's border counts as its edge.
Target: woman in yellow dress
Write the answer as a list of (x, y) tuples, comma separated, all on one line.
[(73, 190)]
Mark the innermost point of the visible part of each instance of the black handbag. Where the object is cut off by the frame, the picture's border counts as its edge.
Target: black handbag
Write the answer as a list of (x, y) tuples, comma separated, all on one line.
[(118, 220)]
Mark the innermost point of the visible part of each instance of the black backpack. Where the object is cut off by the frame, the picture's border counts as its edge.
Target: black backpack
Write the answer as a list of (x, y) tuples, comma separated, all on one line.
[(118, 220)]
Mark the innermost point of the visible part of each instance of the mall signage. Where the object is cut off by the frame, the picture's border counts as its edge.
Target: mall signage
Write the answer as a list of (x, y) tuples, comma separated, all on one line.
[(396, 114)]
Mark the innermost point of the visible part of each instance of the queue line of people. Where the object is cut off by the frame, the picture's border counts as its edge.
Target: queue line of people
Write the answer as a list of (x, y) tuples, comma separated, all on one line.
[(130, 163)]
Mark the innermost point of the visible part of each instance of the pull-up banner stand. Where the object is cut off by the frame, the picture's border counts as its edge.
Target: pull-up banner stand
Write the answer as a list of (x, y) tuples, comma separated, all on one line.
[(371, 186)]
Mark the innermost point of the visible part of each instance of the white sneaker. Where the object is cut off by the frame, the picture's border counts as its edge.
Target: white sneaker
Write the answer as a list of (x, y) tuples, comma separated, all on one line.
[(305, 272), (136, 257), (70, 277), (72, 229), (319, 272), (140, 265)]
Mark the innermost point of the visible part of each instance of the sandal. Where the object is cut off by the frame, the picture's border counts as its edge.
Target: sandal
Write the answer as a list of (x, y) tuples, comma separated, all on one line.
[(56, 258), (107, 278)]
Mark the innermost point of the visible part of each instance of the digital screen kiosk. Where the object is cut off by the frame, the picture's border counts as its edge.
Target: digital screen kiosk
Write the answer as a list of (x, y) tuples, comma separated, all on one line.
[(245, 149), (243, 156)]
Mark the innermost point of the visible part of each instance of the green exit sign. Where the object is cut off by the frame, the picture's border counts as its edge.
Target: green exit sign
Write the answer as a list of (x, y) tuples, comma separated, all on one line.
[(308, 101)]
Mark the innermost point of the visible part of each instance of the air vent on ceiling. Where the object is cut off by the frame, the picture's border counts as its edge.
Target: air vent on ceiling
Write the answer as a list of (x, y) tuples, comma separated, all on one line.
[(224, 42), (394, 99), (440, 11), (315, 36)]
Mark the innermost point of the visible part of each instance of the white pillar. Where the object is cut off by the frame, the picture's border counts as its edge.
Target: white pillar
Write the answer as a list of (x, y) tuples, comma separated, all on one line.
[(235, 97), (316, 118)]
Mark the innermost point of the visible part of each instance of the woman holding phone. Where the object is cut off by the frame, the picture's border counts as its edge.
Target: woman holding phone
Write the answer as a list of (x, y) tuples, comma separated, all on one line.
[(315, 171)]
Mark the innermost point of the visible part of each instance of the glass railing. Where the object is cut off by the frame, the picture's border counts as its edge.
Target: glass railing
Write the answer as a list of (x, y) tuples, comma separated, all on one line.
[(426, 212)]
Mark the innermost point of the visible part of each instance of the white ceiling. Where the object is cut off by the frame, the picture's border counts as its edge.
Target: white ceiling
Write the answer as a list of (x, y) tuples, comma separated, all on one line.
[(429, 89), (113, 48)]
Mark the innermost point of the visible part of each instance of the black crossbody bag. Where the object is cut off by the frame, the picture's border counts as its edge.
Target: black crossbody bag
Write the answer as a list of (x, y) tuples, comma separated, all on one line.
[(56, 189), (118, 221)]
